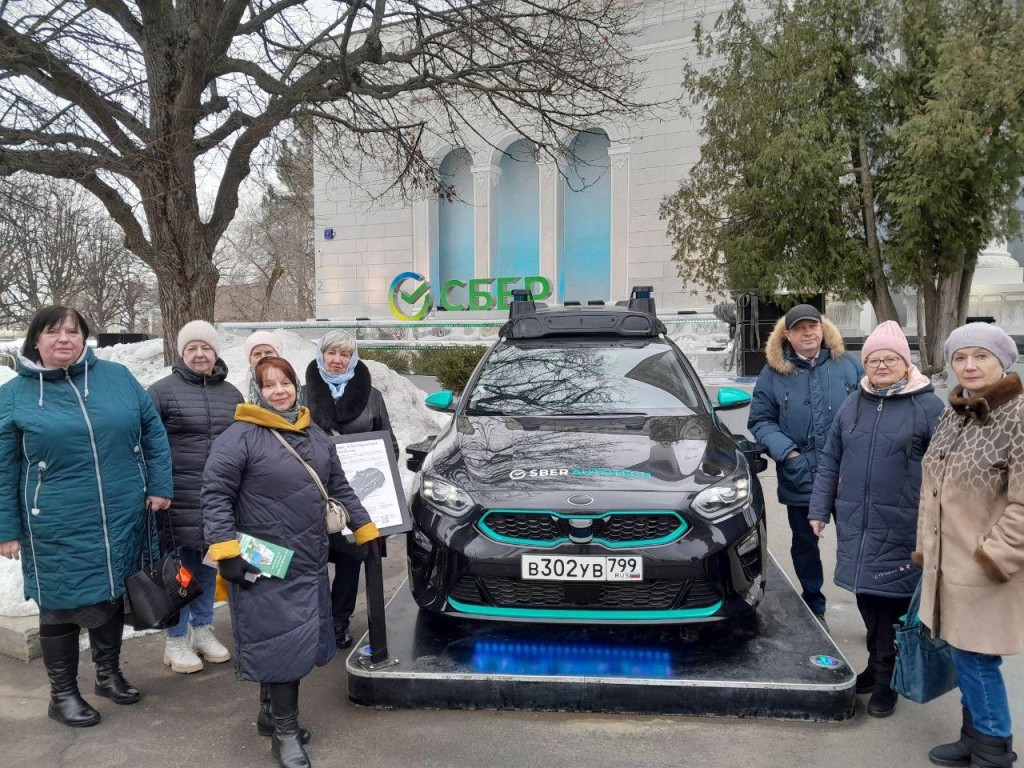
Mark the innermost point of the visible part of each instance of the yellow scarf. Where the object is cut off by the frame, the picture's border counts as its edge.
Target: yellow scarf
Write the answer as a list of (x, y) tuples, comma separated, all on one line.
[(261, 417)]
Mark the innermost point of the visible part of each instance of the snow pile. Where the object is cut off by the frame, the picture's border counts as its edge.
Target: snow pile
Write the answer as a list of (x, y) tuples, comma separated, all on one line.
[(410, 418), (12, 593), (6, 374)]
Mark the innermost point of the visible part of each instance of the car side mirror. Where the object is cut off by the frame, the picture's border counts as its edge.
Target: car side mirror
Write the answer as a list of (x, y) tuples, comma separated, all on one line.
[(442, 401), (730, 398), (754, 453), (418, 452)]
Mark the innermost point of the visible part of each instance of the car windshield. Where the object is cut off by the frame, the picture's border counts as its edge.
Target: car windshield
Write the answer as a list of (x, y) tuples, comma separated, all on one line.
[(584, 379)]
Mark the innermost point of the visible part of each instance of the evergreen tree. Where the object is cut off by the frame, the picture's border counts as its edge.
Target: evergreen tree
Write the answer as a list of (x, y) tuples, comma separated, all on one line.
[(857, 148)]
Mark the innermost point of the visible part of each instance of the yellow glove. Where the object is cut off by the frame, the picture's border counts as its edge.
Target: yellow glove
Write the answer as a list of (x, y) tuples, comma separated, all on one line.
[(367, 532)]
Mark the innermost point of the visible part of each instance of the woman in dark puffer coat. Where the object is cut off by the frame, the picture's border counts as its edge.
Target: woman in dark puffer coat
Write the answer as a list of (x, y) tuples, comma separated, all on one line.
[(196, 404), (252, 484), (342, 400), (869, 479)]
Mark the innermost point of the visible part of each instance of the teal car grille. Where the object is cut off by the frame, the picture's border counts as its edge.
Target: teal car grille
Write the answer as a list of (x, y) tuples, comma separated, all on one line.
[(613, 529)]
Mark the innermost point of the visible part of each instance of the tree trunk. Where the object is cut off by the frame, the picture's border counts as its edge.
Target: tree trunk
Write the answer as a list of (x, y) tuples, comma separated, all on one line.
[(881, 298), (187, 287), (944, 300)]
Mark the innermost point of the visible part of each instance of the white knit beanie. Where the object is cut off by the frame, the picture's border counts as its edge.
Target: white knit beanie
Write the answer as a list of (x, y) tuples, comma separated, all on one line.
[(259, 338), (198, 330)]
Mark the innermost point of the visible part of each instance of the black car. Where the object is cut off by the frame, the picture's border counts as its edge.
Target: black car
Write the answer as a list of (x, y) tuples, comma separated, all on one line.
[(585, 477)]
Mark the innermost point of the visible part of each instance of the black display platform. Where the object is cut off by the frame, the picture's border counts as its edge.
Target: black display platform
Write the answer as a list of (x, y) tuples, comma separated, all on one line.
[(790, 670)]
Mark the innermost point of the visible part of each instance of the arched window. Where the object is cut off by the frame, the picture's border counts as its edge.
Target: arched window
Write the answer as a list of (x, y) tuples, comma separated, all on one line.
[(585, 257), (455, 224), (517, 251)]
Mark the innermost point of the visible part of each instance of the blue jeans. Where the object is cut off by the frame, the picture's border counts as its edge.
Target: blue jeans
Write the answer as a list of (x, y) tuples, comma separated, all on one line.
[(983, 692), (198, 613), (806, 559)]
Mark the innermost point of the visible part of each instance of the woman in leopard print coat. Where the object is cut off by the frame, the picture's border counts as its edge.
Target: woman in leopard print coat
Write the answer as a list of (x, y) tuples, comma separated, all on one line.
[(970, 537)]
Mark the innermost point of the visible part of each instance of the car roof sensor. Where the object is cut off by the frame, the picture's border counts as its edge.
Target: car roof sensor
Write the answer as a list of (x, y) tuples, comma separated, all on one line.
[(642, 299), (528, 321), (522, 303)]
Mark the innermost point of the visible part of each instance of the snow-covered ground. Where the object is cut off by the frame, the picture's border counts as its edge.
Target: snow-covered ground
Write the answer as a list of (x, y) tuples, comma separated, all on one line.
[(410, 418)]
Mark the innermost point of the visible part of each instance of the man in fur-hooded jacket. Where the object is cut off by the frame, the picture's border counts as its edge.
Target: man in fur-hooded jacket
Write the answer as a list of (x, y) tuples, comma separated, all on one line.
[(808, 375)]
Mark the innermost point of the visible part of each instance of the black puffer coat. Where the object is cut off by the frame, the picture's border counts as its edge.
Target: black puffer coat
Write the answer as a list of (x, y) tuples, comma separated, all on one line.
[(195, 409), (283, 627), (360, 408)]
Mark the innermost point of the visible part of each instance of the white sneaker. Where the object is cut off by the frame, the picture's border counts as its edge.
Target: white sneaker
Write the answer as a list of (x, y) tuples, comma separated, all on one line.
[(180, 658), (205, 643)]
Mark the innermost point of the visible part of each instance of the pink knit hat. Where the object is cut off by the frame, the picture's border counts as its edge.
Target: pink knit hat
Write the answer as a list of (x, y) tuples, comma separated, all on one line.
[(888, 335), (262, 337)]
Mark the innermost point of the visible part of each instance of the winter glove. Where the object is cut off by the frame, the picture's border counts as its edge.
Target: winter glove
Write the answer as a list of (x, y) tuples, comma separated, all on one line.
[(366, 532), (234, 569)]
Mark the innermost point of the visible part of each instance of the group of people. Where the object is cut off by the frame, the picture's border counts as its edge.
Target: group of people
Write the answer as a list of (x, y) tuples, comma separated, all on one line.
[(920, 493), (86, 454), (917, 491)]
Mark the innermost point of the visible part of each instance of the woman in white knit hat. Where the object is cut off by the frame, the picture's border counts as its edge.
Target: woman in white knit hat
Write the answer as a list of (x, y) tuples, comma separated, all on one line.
[(258, 345), (196, 404), (869, 481)]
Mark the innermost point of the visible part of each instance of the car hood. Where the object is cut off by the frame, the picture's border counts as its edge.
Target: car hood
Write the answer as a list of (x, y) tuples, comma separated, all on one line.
[(497, 455)]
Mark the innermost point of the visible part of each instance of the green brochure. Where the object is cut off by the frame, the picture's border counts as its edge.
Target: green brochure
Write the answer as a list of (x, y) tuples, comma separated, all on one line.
[(271, 559)]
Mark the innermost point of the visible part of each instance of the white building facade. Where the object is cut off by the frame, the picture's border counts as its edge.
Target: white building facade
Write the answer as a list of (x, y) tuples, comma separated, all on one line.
[(589, 232)]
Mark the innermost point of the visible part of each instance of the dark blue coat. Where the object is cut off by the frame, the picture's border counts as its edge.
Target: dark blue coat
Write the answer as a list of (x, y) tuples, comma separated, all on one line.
[(80, 449), (251, 484), (869, 480), (794, 403)]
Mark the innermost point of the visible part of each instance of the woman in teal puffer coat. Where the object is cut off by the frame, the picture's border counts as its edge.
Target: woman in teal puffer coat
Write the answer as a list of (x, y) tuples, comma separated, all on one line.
[(83, 453)]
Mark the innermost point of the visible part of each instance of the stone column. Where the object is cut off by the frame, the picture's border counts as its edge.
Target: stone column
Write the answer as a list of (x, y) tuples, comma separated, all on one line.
[(485, 183), (618, 155), (424, 234), (548, 178)]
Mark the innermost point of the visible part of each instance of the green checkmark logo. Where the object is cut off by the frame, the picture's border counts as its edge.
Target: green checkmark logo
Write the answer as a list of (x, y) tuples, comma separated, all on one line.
[(403, 304)]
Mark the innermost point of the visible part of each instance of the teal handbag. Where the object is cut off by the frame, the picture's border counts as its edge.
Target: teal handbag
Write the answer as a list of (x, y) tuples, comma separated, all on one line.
[(924, 666)]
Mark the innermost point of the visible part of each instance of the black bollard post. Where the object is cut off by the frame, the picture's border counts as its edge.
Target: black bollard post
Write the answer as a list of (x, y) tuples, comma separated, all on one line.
[(375, 618)]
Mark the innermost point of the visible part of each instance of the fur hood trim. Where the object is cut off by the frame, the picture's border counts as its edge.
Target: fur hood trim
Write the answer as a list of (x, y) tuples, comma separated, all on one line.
[(987, 400), (775, 349)]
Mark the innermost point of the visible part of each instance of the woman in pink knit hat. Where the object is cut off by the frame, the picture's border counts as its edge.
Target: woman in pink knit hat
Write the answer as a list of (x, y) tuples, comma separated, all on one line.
[(869, 482)]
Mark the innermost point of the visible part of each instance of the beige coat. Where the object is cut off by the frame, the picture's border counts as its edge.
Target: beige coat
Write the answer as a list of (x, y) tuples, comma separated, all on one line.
[(970, 530)]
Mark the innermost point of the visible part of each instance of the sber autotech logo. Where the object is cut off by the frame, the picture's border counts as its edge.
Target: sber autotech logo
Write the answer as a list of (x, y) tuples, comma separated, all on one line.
[(413, 303), (522, 474)]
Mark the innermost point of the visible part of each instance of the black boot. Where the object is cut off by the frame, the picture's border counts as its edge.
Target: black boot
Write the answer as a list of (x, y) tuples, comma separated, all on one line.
[(265, 723), (956, 753), (60, 655), (866, 680), (284, 708), (883, 701), (105, 643), (992, 751)]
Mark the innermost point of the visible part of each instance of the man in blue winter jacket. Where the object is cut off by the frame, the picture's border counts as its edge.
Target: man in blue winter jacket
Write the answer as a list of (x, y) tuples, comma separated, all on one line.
[(807, 377)]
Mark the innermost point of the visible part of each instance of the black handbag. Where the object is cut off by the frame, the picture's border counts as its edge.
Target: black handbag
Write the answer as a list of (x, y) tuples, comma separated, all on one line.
[(924, 665), (157, 592)]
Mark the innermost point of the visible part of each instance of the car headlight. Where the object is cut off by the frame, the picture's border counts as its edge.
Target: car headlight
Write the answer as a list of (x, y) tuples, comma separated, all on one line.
[(446, 497), (725, 497)]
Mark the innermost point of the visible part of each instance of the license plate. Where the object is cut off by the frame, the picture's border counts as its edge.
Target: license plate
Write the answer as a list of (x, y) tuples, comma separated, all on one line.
[(581, 568)]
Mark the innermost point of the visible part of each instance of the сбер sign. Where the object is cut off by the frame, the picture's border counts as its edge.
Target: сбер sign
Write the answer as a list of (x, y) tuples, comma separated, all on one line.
[(405, 304)]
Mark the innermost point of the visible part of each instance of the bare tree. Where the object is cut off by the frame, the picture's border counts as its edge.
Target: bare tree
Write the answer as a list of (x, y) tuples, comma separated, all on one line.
[(132, 100), (58, 246)]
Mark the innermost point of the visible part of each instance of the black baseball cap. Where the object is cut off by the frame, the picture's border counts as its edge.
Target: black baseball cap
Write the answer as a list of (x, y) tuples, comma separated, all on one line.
[(802, 312)]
